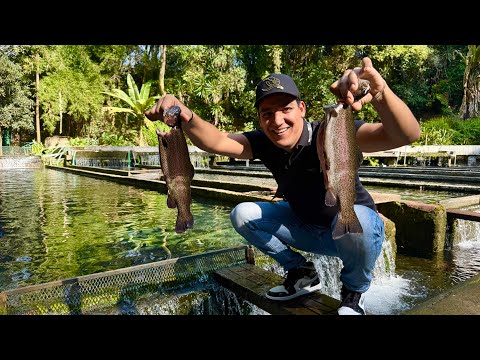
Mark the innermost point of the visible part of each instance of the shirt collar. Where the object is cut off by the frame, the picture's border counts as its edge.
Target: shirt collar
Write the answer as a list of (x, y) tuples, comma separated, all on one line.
[(306, 137)]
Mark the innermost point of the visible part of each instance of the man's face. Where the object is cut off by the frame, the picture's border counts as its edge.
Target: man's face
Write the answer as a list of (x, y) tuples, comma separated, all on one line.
[(281, 119)]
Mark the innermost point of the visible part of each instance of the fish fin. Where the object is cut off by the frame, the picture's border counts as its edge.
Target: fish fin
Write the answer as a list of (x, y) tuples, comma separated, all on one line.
[(359, 158), (192, 171), (184, 224), (330, 198), (342, 227), (171, 203), (322, 156)]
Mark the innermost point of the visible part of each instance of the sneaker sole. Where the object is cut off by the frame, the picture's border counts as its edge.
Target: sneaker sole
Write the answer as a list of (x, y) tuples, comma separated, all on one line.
[(304, 291), (344, 310)]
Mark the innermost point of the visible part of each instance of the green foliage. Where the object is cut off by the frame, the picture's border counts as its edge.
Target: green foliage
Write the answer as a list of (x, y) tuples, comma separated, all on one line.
[(138, 103), (211, 79), (449, 131), (367, 114), (150, 134), (37, 148), (79, 141), (72, 86), (372, 161), (444, 79), (218, 82), (15, 104), (436, 131), (468, 130), (114, 140)]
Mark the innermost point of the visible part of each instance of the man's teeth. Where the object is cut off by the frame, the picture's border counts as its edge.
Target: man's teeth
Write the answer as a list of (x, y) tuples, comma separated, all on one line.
[(278, 132)]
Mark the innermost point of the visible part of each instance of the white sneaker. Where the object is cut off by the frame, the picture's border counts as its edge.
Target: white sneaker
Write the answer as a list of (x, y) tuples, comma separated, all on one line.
[(353, 303), (299, 281)]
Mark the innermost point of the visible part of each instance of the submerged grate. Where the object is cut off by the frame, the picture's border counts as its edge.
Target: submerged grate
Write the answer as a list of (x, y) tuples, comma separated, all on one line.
[(96, 291)]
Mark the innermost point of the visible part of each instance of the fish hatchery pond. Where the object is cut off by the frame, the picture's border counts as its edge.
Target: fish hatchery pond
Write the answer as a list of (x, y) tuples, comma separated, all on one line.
[(56, 225)]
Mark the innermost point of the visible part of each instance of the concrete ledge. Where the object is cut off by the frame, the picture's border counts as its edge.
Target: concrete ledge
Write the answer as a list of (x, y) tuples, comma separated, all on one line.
[(420, 228), (455, 203)]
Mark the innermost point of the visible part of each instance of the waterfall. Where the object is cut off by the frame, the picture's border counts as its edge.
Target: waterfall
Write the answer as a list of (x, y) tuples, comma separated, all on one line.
[(469, 231), (16, 162), (466, 256)]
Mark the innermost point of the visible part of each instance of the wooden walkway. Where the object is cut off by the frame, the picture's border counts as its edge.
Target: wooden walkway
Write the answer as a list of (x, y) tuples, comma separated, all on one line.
[(251, 283)]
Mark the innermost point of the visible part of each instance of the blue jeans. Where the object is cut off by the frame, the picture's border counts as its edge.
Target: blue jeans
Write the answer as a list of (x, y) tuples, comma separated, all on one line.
[(273, 228)]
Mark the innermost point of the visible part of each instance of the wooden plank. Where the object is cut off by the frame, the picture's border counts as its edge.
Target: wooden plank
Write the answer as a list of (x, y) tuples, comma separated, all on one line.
[(463, 214), (252, 283)]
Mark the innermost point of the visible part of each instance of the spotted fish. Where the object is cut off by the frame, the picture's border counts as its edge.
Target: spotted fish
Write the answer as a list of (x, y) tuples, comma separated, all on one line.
[(340, 159), (177, 168)]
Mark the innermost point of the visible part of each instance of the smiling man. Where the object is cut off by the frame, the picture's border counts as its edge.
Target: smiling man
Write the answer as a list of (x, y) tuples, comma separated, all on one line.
[(286, 144)]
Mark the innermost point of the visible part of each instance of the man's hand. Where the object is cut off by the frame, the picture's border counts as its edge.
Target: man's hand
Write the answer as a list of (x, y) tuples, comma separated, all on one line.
[(348, 84), (164, 103)]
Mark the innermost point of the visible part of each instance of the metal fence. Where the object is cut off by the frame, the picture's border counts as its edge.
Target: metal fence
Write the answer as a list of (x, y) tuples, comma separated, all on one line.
[(93, 292)]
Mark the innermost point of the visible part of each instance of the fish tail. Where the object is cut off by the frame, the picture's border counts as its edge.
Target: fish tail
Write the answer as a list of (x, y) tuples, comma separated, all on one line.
[(349, 225), (183, 223)]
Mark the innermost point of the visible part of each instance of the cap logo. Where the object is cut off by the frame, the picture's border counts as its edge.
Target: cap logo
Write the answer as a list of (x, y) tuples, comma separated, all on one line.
[(272, 82)]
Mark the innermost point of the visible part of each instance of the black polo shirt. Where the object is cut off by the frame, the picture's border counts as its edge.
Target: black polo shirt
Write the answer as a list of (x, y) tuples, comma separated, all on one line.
[(299, 175)]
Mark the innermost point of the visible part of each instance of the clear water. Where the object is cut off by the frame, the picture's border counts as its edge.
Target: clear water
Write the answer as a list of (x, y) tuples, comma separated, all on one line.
[(56, 225)]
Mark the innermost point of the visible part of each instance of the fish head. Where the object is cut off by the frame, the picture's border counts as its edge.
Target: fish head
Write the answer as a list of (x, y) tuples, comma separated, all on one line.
[(171, 116), (363, 89)]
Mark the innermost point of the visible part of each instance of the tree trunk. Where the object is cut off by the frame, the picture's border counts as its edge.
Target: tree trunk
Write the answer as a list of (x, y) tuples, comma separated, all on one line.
[(277, 58), (140, 132), (37, 100), (161, 77), (60, 109), (1, 141), (471, 84)]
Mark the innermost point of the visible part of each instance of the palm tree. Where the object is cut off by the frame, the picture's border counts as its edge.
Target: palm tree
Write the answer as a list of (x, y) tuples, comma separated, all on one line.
[(138, 102)]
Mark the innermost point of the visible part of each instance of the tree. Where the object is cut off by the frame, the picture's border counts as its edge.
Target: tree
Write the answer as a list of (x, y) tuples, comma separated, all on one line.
[(471, 84), (138, 102), (209, 77), (15, 104), (34, 62)]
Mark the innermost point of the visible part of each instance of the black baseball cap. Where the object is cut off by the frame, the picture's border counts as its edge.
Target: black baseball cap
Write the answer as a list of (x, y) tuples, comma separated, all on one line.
[(276, 83)]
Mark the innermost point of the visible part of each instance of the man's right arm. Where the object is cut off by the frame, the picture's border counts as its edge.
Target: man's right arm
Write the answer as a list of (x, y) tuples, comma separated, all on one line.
[(202, 133)]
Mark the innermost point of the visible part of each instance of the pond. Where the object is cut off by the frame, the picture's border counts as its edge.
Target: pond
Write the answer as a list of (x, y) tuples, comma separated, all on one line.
[(57, 225)]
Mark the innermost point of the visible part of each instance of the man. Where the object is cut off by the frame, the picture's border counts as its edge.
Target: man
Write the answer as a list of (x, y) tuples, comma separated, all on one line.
[(286, 145)]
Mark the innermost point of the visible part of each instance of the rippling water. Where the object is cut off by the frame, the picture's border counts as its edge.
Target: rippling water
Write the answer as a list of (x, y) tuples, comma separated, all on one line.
[(56, 225)]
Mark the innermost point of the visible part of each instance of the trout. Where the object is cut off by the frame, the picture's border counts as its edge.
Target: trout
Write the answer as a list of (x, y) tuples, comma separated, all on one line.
[(340, 159), (177, 168)]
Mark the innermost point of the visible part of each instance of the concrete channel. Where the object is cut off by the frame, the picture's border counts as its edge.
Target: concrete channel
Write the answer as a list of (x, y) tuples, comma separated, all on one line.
[(433, 218)]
